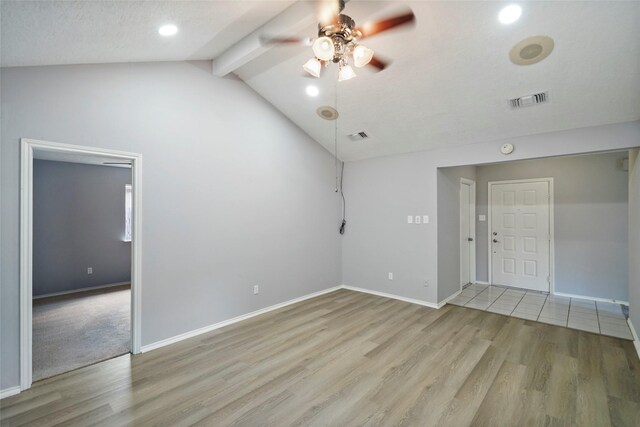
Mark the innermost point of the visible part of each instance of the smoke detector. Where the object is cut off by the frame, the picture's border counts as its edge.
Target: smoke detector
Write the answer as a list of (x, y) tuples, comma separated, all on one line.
[(531, 50), (327, 113), (358, 136), (529, 100)]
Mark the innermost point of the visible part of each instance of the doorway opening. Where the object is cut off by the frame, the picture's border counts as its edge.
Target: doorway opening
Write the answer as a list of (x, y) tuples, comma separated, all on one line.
[(79, 291), (552, 239), (576, 208)]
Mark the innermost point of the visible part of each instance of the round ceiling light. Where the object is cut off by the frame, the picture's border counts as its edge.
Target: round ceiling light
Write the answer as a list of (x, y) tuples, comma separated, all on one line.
[(327, 113), (312, 90), (531, 50), (510, 14), (168, 30)]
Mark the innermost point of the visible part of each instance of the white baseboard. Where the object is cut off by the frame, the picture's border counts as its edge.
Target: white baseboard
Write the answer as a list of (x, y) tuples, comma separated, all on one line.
[(563, 294), (77, 291), (386, 295), (11, 391), (449, 298), (636, 340), (205, 329), (480, 282)]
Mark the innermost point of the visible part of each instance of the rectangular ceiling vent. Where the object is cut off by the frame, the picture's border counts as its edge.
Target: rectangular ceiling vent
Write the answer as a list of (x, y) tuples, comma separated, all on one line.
[(358, 136), (528, 100)]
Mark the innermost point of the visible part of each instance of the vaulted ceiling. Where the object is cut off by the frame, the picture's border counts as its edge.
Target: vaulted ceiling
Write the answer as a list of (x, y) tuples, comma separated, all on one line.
[(448, 83)]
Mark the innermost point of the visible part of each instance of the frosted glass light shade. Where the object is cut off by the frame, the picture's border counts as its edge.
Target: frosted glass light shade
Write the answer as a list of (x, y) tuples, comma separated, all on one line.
[(362, 56), (312, 67), (323, 48), (346, 73)]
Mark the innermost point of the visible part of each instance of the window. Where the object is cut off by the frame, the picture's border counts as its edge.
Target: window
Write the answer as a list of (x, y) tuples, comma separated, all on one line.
[(127, 213)]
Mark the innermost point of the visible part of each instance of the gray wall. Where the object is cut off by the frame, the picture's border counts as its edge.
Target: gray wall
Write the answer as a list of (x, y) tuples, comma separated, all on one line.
[(78, 222), (449, 219), (590, 217), (234, 194), (634, 238), (385, 190)]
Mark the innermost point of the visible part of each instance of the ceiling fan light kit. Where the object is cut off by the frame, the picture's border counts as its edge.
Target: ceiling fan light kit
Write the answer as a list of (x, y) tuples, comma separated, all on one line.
[(338, 40)]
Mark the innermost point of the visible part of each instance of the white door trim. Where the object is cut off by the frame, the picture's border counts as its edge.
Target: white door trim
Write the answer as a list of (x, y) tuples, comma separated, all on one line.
[(472, 228), (552, 257), (28, 146)]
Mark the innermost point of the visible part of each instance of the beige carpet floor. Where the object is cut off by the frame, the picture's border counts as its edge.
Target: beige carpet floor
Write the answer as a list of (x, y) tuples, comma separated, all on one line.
[(77, 330)]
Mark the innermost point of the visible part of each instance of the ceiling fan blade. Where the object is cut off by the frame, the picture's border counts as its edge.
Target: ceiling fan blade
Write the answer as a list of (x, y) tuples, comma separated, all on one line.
[(327, 11), (304, 41), (372, 28), (378, 63)]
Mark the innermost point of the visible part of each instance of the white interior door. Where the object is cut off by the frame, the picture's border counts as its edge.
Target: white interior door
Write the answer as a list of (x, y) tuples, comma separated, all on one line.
[(520, 234), (467, 232)]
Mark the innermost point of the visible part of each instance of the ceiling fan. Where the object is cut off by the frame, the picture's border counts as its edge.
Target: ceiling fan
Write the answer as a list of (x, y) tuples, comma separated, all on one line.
[(338, 40)]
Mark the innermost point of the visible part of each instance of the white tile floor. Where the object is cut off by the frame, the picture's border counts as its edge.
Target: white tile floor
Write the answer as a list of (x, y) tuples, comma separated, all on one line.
[(598, 317)]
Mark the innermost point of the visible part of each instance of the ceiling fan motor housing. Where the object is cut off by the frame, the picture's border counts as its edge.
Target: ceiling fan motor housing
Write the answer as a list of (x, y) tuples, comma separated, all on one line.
[(342, 34)]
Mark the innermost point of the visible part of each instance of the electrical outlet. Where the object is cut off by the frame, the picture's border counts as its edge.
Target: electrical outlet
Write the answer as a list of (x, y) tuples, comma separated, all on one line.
[(90, 270), (425, 219), (256, 289), (390, 276), (418, 220), (426, 283)]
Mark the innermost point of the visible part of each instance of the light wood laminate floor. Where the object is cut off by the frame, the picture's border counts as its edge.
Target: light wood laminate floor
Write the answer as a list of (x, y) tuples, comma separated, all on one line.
[(348, 358)]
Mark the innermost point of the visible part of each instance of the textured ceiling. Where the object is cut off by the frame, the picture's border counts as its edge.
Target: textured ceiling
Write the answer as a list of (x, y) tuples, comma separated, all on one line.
[(98, 31), (448, 84), (451, 76)]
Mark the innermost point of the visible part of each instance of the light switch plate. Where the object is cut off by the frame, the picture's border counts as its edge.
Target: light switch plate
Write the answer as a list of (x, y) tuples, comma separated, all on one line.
[(410, 219), (425, 219), (482, 217)]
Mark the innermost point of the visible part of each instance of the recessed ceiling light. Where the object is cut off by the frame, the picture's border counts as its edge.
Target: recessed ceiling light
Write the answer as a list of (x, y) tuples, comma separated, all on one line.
[(168, 30), (510, 14), (312, 91)]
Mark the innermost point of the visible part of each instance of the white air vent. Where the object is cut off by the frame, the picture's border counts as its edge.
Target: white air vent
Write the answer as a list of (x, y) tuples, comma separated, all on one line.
[(528, 100), (358, 136)]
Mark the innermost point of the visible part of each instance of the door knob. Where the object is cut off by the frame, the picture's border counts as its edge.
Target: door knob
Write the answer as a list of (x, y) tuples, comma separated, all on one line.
[(470, 239), (495, 233), (495, 241)]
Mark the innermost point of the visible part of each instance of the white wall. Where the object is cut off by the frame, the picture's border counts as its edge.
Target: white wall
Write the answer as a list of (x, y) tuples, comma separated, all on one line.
[(234, 194), (590, 218), (385, 190), (634, 238)]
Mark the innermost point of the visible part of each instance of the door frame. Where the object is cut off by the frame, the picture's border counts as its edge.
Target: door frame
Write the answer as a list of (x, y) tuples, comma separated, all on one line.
[(552, 269), (472, 227), (28, 146)]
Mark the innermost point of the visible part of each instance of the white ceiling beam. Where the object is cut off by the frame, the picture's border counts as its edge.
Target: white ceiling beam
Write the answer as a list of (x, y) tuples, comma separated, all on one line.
[(295, 18)]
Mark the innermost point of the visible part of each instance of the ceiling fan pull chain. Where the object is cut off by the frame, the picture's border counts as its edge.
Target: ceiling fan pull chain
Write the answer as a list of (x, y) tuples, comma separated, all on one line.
[(335, 133)]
